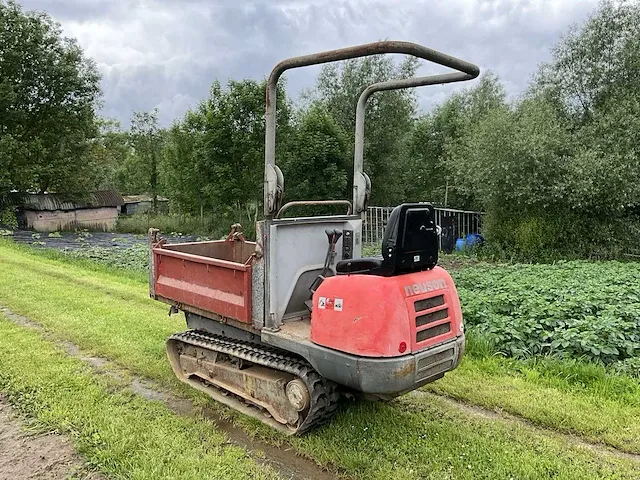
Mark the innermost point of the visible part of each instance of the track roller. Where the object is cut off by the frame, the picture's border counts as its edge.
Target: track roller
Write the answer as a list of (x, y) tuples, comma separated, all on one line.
[(272, 386)]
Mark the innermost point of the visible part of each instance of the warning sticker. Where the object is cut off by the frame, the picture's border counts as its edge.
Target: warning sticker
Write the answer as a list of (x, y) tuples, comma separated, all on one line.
[(328, 303), (338, 304), (322, 303)]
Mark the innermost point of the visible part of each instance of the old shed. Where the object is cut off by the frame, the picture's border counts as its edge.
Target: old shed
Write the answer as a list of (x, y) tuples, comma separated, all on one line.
[(52, 212), (144, 203)]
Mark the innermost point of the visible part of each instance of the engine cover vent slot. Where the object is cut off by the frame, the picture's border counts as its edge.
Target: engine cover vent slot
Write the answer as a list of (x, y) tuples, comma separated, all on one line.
[(441, 329), (431, 317), (428, 303)]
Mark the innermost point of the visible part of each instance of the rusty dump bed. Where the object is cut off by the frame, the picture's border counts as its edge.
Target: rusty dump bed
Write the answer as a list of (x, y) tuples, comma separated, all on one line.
[(205, 277)]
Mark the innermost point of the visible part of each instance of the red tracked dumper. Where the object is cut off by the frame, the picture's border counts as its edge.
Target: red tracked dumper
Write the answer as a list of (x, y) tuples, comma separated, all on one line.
[(281, 327)]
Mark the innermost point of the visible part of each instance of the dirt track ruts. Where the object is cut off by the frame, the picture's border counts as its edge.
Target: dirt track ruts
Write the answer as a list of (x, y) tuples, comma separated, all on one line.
[(283, 459), (27, 455)]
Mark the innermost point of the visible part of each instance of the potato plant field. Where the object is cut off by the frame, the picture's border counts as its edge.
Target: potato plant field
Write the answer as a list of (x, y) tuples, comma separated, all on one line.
[(579, 310), (547, 388)]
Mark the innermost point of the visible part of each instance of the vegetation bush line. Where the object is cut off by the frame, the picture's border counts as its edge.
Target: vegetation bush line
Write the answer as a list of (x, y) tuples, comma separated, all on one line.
[(554, 236), (174, 223)]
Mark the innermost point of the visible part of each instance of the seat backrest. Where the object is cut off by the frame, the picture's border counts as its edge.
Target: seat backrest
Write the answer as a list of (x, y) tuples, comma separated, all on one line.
[(410, 241)]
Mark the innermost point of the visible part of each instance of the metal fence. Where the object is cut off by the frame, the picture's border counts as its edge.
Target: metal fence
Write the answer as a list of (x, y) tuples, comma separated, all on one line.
[(464, 222)]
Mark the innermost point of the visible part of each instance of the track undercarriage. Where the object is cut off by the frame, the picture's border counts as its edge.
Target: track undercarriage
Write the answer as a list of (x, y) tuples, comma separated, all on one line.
[(270, 385)]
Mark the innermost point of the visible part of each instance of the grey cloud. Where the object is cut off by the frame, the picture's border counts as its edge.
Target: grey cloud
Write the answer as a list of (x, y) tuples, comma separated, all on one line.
[(166, 54)]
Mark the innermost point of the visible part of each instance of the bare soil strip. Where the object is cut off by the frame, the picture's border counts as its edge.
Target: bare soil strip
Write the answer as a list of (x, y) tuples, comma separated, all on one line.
[(286, 461), (25, 456)]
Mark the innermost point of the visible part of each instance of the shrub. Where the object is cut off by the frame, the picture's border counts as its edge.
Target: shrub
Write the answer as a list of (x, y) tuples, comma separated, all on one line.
[(8, 218), (180, 224), (559, 235)]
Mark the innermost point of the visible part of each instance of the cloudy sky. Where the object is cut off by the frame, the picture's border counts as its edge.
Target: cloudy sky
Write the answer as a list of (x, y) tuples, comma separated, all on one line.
[(166, 53)]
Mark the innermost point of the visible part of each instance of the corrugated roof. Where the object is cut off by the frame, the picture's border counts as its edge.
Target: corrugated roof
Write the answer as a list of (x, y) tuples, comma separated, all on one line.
[(142, 198), (58, 201)]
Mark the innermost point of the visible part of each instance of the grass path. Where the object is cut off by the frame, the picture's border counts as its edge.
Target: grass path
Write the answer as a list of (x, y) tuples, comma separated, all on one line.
[(414, 437), (117, 433)]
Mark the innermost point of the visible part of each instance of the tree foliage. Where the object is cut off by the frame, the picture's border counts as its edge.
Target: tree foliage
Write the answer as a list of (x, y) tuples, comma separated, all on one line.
[(139, 171), (48, 95), (431, 169), (595, 60), (109, 152), (315, 166), (388, 121), (215, 155), (557, 172)]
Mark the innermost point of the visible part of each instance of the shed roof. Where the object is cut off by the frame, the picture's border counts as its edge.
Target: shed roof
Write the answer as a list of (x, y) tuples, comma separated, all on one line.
[(59, 201), (143, 198)]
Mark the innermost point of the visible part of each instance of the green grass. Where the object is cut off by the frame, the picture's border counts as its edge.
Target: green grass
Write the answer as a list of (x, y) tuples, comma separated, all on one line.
[(173, 223), (424, 437), (86, 263), (415, 437), (116, 432), (565, 396)]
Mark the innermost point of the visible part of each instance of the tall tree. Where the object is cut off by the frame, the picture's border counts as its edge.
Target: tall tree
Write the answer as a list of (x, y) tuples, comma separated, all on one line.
[(140, 171), (314, 169), (431, 171), (217, 150), (48, 95), (389, 117), (109, 152), (181, 180), (595, 60)]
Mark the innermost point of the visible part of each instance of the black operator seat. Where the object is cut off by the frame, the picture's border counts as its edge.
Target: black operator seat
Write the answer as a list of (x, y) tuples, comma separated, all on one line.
[(409, 244)]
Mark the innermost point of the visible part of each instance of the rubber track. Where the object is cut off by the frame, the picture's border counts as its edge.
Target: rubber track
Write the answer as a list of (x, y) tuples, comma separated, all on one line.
[(324, 393)]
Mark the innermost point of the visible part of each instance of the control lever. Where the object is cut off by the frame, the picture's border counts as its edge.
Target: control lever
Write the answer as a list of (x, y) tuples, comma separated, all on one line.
[(333, 235)]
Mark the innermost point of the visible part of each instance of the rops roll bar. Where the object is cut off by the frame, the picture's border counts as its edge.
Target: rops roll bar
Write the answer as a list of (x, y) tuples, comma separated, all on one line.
[(273, 180), (361, 182)]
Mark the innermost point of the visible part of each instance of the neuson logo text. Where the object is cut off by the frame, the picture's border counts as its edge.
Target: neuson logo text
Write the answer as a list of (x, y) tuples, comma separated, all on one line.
[(424, 287)]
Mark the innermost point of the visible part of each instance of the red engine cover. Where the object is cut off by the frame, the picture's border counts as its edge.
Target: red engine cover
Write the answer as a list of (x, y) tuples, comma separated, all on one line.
[(377, 316)]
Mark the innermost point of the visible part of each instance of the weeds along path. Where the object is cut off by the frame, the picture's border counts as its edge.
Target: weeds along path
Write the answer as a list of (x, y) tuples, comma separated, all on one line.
[(118, 433), (109, 317), (282, 460)]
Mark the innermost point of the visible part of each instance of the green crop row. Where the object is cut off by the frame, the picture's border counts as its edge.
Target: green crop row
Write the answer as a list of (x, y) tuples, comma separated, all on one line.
[(134, 257), (574, 309)]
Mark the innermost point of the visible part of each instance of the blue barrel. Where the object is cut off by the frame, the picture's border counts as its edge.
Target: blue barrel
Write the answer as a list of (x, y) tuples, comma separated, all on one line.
[(474, 239), (460, 244)]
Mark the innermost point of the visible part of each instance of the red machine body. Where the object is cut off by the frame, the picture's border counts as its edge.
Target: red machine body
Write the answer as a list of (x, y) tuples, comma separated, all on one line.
[(377, 316)]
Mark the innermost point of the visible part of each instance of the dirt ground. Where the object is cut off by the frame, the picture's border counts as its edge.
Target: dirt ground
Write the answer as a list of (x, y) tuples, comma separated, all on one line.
[(25, 456)]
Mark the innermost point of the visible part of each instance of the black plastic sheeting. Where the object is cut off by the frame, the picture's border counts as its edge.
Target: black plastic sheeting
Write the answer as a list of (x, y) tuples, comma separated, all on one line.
[(71, 240)]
